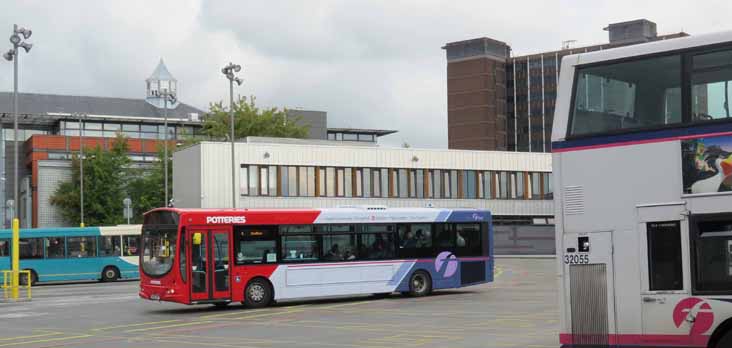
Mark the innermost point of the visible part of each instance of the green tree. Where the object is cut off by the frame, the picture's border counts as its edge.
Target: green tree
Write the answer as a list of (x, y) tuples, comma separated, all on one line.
[(147, 189), (105, 180), (249, 120)]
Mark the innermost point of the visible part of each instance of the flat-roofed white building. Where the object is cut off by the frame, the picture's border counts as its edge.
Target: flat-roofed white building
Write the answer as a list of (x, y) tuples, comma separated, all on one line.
[(292, 173)]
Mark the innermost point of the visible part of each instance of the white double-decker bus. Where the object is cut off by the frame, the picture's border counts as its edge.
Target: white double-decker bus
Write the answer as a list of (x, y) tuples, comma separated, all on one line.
[(642, 156)]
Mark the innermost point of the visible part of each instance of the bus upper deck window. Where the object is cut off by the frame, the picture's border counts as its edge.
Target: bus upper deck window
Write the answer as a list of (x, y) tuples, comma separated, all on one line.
[(644, 93)]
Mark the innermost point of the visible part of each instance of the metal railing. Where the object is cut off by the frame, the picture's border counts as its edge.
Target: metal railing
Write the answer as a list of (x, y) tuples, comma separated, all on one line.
[(8, 290)]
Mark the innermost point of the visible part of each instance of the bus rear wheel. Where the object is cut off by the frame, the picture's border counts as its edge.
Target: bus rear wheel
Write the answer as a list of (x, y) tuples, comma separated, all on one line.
[(725, 341), (420, 284), (110, 274), (23, 278), (258, 293)]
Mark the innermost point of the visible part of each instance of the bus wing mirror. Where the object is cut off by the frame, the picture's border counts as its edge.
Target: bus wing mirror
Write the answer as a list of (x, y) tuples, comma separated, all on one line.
[(197, 238)]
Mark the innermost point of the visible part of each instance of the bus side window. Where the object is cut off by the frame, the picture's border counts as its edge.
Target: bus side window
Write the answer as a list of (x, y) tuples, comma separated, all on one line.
[(467, 239), (55, 248), (31, 248), (82, 246), (713, 248), (109, 245), (130, 246), (4, 248), (664, 256)]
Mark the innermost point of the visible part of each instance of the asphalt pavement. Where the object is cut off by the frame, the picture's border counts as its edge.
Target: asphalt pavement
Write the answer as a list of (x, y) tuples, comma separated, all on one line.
[(518, 310)]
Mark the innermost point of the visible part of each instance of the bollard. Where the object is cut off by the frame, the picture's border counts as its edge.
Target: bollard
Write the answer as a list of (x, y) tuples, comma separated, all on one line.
[(15, 247)]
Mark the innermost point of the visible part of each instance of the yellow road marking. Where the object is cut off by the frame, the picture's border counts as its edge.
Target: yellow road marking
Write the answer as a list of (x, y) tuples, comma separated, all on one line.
[(46, 340), (133, 325), (170, 326), (31, 336), (236, 312), (267, 314)]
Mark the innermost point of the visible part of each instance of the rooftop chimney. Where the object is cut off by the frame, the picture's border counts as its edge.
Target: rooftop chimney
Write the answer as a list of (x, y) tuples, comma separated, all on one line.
[(640, 30)]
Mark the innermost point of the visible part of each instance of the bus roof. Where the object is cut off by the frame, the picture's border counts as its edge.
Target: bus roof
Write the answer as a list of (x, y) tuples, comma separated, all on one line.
[(344, 215), (650, 48), (73, 231)]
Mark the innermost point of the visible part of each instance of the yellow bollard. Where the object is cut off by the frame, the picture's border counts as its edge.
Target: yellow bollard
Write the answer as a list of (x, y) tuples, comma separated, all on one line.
[(15, 247)]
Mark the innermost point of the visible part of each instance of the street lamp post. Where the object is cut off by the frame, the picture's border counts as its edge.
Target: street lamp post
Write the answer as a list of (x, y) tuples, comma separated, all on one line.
[(167, 95), (13, 55), (81, 170), (229, 71)]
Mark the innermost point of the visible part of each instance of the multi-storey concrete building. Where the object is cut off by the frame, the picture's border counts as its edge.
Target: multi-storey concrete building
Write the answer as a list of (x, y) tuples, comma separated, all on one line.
[(293, 173), (497, 101)]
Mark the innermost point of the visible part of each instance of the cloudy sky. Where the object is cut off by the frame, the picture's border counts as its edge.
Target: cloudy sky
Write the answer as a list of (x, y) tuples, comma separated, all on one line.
[(369, 64)]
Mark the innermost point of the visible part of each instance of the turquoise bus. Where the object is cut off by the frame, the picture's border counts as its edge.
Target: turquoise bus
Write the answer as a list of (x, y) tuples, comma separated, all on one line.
[(74, 253)]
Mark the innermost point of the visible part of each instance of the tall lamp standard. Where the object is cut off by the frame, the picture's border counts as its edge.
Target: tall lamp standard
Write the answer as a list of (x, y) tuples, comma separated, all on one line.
[(81, 169), (229, 71), (13, 55), (167, 96)]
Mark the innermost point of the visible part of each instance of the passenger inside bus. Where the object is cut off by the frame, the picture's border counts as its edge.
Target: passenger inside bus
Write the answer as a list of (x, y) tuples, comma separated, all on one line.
[(333, 254)]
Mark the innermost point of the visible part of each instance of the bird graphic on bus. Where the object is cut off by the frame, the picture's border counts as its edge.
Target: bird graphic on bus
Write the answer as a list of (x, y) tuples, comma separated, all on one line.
[(707, 165)]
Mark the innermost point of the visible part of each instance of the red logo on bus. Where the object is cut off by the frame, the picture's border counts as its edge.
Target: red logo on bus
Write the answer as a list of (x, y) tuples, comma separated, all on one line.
[(696, 312)]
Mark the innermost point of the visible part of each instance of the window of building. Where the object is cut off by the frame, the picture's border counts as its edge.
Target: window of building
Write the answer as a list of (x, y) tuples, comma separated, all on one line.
[(350, 137), (253, 173), (503, 185), (264, 181), (536, 183), (255, 244), (469, 184), (436, 181), (340, 178), (446, 191), (31, 248), (284, 183), (130, 245), (348, 182), (339, 247), (384, 182), (358, 182), (300, 248), (520, 184), (55, 248), (713, 249), (244, 180), (82, 246), (664, 255), (710, 79), (366, 137), (454, 188), (109, 245), (331, 181), (291, 174), (367, 182), (419, 182), (321, 182), (489, 185), (402, 187), (624, 96)]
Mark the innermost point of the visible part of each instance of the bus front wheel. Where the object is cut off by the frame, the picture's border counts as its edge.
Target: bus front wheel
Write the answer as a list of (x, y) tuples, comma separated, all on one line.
[(110, 274), (420, 284), (258, 293)]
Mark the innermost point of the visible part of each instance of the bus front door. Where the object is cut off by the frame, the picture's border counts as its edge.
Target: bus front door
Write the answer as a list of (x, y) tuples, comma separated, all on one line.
[(209, 266)]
